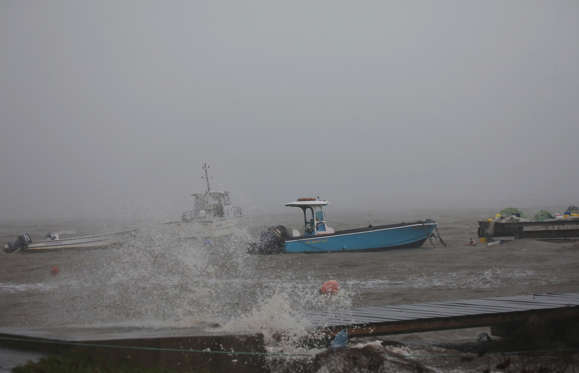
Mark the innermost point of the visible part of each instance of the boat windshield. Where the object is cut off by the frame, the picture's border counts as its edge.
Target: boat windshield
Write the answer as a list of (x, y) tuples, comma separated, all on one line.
[(309, 220)]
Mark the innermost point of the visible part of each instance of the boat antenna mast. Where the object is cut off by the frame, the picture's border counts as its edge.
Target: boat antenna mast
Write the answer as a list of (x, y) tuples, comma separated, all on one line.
[(205, 167)]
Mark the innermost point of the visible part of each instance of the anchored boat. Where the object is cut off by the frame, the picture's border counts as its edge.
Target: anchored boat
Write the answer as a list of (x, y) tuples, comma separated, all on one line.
[(318, 237), (212, 216), (54, 242), (509, 223)]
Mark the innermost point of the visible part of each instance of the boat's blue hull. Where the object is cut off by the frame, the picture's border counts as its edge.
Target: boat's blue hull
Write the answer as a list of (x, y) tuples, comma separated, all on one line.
[(369, 239)]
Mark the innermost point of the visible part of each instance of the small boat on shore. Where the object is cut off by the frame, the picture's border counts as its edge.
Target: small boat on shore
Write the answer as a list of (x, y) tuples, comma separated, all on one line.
[(54, 242), (318, 237)]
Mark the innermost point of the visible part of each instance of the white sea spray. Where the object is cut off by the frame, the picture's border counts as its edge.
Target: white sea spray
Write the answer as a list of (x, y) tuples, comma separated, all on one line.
[(274, 317), (13, 288), (159, 279)]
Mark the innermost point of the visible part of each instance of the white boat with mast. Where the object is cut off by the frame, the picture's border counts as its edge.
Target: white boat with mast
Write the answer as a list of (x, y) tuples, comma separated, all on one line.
[(213, 214)]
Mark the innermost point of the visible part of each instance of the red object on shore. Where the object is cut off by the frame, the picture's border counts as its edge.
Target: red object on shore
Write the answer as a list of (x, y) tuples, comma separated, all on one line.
[(54, 270), (330, 287)]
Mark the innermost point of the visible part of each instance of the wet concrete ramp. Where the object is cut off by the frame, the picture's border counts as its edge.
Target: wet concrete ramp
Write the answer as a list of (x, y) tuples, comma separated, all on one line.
[(182, 349)]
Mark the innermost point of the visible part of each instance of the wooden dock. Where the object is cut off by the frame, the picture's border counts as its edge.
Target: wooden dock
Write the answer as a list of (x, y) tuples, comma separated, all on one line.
[(457, 314)]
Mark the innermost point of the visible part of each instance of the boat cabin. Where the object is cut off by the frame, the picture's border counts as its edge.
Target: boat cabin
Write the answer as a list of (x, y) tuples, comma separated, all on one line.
[(314, 218), (210, 204)]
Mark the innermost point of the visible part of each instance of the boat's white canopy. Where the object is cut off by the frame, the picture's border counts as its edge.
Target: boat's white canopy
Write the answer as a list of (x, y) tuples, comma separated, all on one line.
[(299, 203)]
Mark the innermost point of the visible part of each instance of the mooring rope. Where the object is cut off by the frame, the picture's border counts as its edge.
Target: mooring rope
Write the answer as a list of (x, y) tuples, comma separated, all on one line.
[(149, 348), (412, 355)]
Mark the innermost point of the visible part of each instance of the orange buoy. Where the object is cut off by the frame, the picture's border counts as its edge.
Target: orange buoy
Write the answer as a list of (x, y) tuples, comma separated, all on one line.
[(330, 287), (54, 270)]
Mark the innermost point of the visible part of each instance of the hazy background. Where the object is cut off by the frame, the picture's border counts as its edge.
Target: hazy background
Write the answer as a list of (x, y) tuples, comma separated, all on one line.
[(108, 108)]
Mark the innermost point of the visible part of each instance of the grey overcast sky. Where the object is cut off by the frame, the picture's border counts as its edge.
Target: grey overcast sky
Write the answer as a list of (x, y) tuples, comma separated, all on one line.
[(110, 107)]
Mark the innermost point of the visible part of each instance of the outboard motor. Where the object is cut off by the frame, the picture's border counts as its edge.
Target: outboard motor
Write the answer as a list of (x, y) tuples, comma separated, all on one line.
[(271, 241), (21, 243)]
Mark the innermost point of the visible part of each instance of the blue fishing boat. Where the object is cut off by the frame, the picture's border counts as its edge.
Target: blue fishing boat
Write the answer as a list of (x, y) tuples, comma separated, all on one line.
[(319, 237)]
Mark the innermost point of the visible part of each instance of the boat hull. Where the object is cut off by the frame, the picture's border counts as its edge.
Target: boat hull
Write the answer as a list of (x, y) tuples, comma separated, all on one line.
[(95, 241), (206, 229), (549, 229), (368, 239)]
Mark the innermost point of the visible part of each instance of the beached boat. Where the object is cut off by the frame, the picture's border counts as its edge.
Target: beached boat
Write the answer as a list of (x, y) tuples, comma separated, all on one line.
[(54, 242), (318, 237)]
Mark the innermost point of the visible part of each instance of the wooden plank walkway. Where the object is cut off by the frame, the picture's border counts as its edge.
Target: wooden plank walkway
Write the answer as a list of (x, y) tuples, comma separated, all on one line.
[(409, 318)]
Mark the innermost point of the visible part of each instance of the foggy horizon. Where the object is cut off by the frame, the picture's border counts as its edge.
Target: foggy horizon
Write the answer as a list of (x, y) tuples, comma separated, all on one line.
[(110, 109)]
